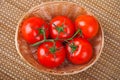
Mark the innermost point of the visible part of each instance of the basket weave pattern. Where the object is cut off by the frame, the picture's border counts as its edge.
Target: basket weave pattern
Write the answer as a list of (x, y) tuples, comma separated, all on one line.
[(106, 68)]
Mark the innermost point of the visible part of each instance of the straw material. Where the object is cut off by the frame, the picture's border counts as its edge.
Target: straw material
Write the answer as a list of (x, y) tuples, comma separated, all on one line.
[(106, 68)]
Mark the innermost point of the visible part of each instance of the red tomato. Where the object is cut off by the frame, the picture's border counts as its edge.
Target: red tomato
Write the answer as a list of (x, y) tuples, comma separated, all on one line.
[(88, 24), (79, 51), (51, 55), (61, 27), (31, 29)]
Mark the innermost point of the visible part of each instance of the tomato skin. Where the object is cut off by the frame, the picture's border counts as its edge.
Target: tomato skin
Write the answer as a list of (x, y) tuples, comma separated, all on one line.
[(83, 52), (48, 59), (69, 27), (30, 30), (88, 24)]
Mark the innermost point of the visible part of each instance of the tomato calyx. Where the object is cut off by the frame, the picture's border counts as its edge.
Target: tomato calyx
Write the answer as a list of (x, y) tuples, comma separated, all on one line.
[(41, 31), (73, 47), (52, 49), (60, 29)]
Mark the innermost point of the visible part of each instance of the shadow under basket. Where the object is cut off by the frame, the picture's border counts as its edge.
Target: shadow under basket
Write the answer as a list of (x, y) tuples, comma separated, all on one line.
[(47, 11)]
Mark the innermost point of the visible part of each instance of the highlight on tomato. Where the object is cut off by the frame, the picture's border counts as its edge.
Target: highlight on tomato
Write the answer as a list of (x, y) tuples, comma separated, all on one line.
[(32, 29), (79, 51), (51, 54), (61, 27), (88, 25)]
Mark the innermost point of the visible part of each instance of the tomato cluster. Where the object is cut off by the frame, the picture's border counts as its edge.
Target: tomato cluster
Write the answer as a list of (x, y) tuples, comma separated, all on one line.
[(61, 38)]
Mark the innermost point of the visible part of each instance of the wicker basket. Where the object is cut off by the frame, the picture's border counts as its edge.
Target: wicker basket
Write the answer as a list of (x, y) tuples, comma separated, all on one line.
[(47, 11)]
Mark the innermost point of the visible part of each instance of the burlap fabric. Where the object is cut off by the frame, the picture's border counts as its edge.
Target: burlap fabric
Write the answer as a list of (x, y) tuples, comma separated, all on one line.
[(106, 68)]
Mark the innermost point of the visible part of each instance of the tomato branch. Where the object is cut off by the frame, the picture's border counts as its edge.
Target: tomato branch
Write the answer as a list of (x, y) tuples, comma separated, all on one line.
[(73, 47), (53, 40)]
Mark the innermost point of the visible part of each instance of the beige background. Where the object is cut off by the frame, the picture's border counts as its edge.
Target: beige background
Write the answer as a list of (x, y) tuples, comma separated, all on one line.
[(106, 68)]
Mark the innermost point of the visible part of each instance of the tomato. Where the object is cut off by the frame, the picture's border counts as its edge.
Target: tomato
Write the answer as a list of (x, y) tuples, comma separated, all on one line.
[(61, 27), (31, 29), (79, 51), (51, 54), (88, 24)]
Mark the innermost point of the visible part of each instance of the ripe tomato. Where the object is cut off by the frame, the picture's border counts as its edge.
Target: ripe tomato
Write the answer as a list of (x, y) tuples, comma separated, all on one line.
[(61, 27), (79, 51), (88, 24), (51, 54), (31, 29)]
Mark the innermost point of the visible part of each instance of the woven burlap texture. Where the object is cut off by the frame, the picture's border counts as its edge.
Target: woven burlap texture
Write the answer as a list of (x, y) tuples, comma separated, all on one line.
[(106, 68)]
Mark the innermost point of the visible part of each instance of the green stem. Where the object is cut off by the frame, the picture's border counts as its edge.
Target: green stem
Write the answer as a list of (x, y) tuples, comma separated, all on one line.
[(74, 34), (44, 36), (40, 42), (51, 40), (67, 41), (37, 43)]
